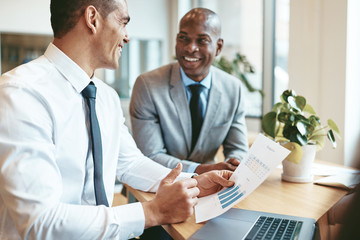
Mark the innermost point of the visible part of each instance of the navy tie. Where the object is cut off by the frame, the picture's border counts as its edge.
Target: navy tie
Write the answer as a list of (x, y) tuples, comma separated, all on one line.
[(89, 93), (196, 110)]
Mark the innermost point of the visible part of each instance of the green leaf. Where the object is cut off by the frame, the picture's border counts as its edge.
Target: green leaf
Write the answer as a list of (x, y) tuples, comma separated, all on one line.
[(224, 65), (331, 137), (291, 133), (268, 124), (277, 107), (301, 118), (292, 102), (318, 137), (301, 128), (309, 109), (318, 140), (301, 139), (286, 117), (252, 69), (314, 120), (310, 128), (239, 74), (286, 94), (300, 102), (332, 125), (319, 131)]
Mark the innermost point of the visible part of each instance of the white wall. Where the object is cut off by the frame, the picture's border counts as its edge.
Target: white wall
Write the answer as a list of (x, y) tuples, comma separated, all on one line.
[(318, 68), (24, 16)]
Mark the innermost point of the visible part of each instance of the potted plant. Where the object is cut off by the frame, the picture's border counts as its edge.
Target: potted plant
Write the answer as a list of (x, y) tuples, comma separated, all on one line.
[(294, 123)]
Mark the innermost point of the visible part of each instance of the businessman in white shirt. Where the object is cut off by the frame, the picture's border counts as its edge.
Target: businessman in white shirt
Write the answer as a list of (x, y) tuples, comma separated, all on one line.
[(46, 146)]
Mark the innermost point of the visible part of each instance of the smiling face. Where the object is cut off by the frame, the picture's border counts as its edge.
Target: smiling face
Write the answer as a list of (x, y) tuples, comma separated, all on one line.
[(112, 37), (197, 43)]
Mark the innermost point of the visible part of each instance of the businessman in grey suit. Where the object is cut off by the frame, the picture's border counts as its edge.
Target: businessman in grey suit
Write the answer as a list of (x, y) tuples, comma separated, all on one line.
[(168, 126)]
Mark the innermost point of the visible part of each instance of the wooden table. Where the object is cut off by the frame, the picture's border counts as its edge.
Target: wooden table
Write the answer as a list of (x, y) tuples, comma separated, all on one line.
[(273, 195)]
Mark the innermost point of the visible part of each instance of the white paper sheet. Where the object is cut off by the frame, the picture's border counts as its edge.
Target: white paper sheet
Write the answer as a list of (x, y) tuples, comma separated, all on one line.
[(345, 181), (262, 158)]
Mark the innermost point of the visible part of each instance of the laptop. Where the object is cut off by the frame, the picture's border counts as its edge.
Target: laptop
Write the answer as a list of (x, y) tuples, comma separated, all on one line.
[(247, 224)]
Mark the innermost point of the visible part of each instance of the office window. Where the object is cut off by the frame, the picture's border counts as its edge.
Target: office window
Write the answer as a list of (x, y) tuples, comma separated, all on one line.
[(242, 31), (281, 76), (137, 57)]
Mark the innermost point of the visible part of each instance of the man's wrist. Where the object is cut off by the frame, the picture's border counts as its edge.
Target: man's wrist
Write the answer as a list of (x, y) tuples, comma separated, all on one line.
[(150, 214)]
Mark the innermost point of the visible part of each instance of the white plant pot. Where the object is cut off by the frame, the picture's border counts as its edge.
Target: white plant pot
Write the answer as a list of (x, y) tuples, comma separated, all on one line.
[(301, 172)]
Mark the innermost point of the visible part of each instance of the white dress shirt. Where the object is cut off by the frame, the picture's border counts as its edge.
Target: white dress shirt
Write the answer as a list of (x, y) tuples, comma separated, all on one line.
[(46, 170)]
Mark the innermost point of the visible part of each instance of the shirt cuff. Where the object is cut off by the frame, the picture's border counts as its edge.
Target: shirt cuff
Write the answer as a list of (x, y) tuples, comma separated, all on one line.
[(131, 219), (192, 167)]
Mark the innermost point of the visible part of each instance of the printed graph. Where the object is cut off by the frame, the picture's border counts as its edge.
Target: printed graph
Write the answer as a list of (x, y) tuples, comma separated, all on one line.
[(259, 168), (229, 195)]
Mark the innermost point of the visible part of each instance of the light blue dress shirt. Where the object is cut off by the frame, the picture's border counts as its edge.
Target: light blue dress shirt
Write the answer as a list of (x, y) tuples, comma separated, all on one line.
[(206, 83), (204, 95)]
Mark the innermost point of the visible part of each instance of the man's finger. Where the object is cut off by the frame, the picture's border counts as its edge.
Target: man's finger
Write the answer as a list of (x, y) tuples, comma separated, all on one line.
[(231, 167), (189, 183), (170, 178), (234, 161), (222, 181), (193, 192), (226, 174), (195, 201)]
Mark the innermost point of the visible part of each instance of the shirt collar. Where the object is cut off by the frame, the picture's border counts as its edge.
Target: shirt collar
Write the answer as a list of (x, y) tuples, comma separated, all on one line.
[(206, 82), (67, 67)]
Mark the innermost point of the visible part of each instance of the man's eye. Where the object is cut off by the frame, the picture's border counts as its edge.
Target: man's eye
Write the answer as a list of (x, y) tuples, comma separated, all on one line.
[(203, 41)]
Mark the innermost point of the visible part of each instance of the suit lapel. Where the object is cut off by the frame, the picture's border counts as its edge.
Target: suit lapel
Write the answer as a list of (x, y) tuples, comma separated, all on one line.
[(178, 96), (211, 111)]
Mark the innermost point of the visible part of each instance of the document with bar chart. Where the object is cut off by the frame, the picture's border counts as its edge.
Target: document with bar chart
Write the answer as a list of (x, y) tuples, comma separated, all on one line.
[(263, 157)]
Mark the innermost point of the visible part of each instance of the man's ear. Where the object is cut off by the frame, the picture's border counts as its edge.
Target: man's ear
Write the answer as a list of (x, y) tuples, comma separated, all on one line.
[(219, 46), (92, 18)]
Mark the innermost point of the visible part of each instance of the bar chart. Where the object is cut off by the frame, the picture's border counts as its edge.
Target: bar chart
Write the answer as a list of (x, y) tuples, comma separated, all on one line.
[(229, 195)]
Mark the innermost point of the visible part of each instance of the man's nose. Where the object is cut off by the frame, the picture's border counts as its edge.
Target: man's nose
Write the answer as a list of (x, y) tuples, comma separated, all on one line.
[(192, 47)]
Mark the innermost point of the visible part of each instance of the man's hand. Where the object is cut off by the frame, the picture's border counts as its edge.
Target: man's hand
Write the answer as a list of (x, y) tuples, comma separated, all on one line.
[(212, 182), (231, 165), (173, 202)]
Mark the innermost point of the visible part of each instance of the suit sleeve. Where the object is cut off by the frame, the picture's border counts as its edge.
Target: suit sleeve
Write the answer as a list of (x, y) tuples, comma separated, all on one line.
[(236, 142), (146, 128)]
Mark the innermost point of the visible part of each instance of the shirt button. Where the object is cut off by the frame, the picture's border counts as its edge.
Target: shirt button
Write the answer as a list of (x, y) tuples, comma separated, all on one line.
[(131, 235)]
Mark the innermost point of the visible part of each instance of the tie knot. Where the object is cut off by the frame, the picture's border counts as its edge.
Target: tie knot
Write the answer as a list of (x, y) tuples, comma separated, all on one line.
[(196, 89), (89, 91)]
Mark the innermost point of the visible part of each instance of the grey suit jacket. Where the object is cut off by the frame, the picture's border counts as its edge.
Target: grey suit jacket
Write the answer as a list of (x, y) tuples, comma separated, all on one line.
[(161, 122)]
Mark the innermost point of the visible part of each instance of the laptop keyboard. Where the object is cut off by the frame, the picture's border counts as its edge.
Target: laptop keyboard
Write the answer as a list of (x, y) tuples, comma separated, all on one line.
[(274, 229)]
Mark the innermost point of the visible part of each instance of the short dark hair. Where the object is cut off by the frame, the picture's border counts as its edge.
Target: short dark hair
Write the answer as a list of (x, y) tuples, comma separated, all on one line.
[(66, 13)]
